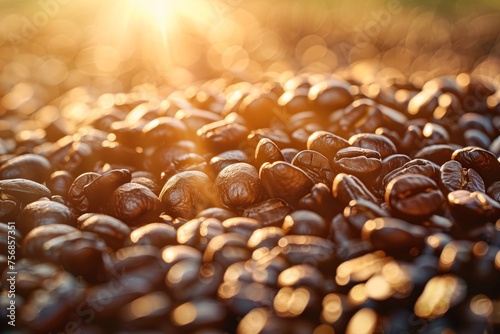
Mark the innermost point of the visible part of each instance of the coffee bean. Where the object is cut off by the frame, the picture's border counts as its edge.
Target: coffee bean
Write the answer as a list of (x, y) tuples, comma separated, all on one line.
[(415, 166), (163, 130), (481, 160), (454, 177), (265, 237), (186, 193), (381, 144), (361, 162), (316, 166), (285, 181), (113, 231), (198, 232), (473, 208), (243, 226), (238, 185), (226, 158), (76, 194), (226, 249), (43, 212), (413, 196), (303, 222), (267, 151), (494, 191), (26, 191), (99, 190), (32, 244), (269, 212), (330, 95), (321, 201), (326, 143), (439, 154), (221, 136), (59, 182), (346, 188), (27, 166)]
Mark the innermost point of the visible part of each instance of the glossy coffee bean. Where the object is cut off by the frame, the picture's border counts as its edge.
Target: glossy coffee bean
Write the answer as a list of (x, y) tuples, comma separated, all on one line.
[(241, 225), (153, 234), (238, 186), (439, 154), (300, 249), (187, 193), (285, 181), (268, 212), (163, 130), (226, 249), (413, 196), (134, 204), (303, 222), (32, 243), (27, 166), (76, 194), (226, 158), (393, 235), (472, 208), (221, 136), (320, 200), (267, 151), (59, 182), (217, 213), (494, 191), (346, 188), (265, 237), (330, 95), (454, 177), (415, 166), (114, 232), (99, 190), (316, 166), (185, 162), (383, 145), (326, 143), (279, 137), (24, 190), (361, 162), (198, 232), (481, 160), (43, 212)]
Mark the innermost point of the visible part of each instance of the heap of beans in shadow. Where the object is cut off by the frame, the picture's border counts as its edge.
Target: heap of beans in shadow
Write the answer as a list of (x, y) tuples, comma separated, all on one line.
[(314, 205)]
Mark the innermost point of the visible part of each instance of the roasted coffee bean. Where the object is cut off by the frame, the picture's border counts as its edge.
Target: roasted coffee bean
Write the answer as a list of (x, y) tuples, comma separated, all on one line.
[(326, 143), (289, 153), (476, 138), (259, 110), (76, 194), (99, 190), (300, 136), (134, 204), (140, 261), (185, 162), (226, 249), (221, 136), (268, 212), (113, 231), (415, 166), (330, 95), (394, 236), (320, 200), (301, 249), (316, 166), (361, 162), (361, 116), (171, 255), (81, 253), (481, 160), (359, 211), (32, 245), (279, 137), (217, 213), (153, 234), (163, 157), (241, 225), (43, 212), (238, 185), (163, 130), (155, 307), (304, 222), (59, 182), (194, 119), (494, 191), (439, 154), (454, 177), (472, 208), (295, 101), (381, 144), (226, 158), (265, 237), (27, 166), (346, 188), (413, 196), (187, 193), (198, 232), (285, 181), (148, 183), (267, 151), (24, 190)]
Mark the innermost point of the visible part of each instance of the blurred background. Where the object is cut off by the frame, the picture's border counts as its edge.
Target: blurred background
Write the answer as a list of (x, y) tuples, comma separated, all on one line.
[(56, 49)]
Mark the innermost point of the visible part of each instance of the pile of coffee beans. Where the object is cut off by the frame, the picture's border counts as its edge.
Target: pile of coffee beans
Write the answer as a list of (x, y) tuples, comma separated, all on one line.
[(318, 204)]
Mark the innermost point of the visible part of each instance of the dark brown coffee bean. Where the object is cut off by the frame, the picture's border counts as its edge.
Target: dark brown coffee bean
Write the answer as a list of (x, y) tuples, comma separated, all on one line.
[(76, 194), (394, 236), (148, 183), (320, 200), (163, 130), (238, 186), (413, 196), (477, 121), (326, 143), (198, 232), (217, 213), (241, 225), (473, 208), (304, 222), (454, 177), (289, 153), (476, 138), (221, 136), (267, 151), (259, 110), (185, 162), (27, 166), (301, 249), (346, 188), (24, 190), (481, 160), (285, 181), (33, 242), (155, 307), (371, 141), (59, 182), (134, 204), (268, 212), (361, 116), (98, 191), (330, 95), (415, 166), (113, 231), (439, 154), (295, 101), (361, 162), (43, 212), (315, 164), (265, 237), (187, 193), (494, 191), (360, 210), (226, 158), (279, 137), (171, 255), (163, 157), (194, 119), (153, 234), (226, 249)]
